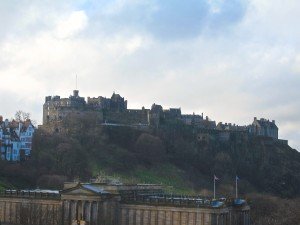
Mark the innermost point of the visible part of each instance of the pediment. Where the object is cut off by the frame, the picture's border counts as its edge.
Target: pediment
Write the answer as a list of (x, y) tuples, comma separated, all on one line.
[(84, 190), (79, 191)]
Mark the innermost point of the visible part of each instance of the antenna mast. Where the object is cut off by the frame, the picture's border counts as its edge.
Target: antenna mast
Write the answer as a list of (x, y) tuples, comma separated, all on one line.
[(76, 81)]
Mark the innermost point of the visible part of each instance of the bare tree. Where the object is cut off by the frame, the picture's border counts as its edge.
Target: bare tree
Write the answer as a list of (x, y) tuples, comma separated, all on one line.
[(22, 116)]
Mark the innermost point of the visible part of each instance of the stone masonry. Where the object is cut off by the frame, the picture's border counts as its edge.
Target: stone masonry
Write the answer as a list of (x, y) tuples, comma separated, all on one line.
[(106, 204), (114, 112)]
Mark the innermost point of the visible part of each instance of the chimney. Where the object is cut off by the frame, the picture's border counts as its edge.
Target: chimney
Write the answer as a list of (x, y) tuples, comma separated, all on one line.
[(19, 129), (273, 121), (255, 118)]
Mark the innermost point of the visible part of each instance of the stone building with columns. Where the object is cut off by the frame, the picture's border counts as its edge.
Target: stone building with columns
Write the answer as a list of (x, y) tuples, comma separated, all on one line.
[(117, 204)]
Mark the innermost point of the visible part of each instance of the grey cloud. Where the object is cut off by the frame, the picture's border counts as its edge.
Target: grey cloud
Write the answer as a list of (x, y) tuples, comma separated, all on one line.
[(178, 61), (7, 16), (169, 19), (26, 18), (15, 101)]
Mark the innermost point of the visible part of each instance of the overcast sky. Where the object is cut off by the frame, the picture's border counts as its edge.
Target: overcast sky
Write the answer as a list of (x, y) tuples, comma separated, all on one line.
[(231, 60)]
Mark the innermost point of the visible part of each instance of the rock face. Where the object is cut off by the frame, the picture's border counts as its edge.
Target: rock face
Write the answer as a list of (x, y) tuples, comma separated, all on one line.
[(118, 204)]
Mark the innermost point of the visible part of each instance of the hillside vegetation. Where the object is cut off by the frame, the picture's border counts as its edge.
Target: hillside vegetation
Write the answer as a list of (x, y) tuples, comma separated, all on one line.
[(170, 155)]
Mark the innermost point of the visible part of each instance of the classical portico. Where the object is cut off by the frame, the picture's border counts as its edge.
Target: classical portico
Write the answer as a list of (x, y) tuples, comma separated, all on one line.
[(89, 203)]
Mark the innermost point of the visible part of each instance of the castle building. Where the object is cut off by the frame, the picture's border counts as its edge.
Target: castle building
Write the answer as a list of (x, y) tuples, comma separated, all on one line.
[(56, 108), (230, 127), (15, 139), (113, 111), (116, 103), (264, 128), (192, 119)]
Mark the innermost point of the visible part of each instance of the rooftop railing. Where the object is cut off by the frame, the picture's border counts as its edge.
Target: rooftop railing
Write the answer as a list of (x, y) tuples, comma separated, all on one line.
[(29, 194), (178, 200)]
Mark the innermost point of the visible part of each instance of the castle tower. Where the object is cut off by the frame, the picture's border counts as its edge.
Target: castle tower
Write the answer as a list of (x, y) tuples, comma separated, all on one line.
[(55, 109), (76, 93)]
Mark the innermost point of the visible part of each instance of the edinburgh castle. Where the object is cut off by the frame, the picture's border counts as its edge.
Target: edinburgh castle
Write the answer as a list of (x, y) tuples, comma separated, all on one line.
[(114, 112)]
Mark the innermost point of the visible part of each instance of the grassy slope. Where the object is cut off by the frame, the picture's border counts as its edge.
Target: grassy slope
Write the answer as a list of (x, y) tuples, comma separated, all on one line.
[(168, 175)]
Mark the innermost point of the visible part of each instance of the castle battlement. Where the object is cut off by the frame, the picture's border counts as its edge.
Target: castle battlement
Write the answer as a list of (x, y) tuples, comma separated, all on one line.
[(114, 111)]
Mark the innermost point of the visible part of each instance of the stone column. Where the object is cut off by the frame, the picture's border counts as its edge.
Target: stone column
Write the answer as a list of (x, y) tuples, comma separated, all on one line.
[(97, 222), (82, 210), (68, 212), (207, 219), (153, 217), (146, 217), (73, 209), (89, 211), (53, 214), (10, 212), (142, 217)]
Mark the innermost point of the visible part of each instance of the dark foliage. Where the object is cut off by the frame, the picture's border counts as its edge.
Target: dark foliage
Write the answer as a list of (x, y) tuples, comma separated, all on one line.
[(263, 165), (270, 210)]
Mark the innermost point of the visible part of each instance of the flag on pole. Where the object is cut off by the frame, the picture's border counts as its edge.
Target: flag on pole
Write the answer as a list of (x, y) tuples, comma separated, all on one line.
[(215, 178), (236, 186)]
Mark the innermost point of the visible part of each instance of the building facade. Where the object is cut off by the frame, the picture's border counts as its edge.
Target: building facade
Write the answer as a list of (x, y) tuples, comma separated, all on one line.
[(16, 139), (114, 112), (118, 204), (264, 128)]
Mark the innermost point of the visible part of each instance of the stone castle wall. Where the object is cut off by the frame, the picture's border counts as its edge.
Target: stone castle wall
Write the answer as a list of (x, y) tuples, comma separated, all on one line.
[(63, 118), (129, 117), (114, 112)]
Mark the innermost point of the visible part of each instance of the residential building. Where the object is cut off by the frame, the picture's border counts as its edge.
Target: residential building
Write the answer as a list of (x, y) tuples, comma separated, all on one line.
[(15, 139)]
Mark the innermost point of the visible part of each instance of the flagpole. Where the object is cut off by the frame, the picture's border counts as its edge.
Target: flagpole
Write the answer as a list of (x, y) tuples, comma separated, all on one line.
[(236, 188), (214, 187)]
